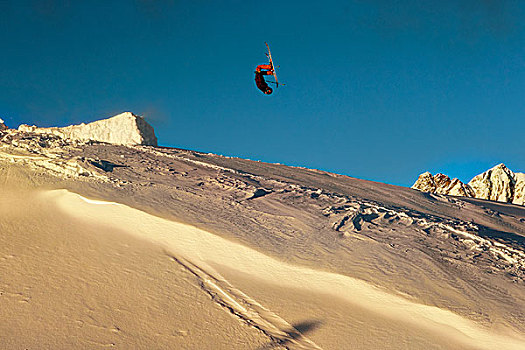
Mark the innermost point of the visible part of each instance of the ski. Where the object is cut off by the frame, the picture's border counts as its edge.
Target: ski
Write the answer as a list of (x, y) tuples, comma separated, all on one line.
[(269, 54)]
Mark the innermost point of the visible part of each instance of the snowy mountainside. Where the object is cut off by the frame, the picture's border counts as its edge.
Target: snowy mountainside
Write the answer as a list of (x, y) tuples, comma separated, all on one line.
[(458, 254), (350, 207)]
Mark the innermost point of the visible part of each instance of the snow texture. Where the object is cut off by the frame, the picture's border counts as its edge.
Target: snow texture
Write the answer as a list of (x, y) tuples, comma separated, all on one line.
[(123, 129), (155, 242)]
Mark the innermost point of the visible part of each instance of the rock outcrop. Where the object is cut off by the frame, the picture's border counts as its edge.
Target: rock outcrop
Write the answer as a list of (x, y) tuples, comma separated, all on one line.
[(519, 189), (122, 129), (498, 184), (495, 184), (442, 184), (2, 125)]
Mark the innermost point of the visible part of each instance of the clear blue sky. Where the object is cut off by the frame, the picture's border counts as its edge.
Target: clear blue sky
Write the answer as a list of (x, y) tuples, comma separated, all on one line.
[(380, 90)]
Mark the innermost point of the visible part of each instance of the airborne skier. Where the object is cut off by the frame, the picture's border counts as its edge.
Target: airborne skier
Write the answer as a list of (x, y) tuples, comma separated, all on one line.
[(260, 72), (266, 69)]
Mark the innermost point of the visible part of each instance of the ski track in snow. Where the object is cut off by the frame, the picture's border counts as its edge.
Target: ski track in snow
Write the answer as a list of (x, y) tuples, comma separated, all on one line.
[(197, 249)]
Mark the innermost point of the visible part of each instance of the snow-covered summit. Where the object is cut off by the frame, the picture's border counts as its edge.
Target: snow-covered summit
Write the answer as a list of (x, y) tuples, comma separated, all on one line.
[(123, 129), (498, 184)]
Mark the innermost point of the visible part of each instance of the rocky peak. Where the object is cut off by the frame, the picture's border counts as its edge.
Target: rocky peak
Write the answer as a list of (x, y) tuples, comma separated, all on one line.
[(425, 182), (495, 184), (123, 129), (458, 188), (498, 184), (2, 125), (442, 184), (442, 181)]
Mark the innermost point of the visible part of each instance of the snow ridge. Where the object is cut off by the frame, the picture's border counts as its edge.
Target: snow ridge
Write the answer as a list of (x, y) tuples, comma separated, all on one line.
[(123, 129)]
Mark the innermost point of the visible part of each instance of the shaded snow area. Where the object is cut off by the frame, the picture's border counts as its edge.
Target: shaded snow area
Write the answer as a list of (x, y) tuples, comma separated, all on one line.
[(115, 246)]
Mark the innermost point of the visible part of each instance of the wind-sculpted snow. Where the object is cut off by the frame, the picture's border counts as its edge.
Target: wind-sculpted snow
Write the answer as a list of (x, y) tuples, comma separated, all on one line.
[(51, 152), (354, 217), (462, 255), (122, 129), (197, 250), (349, 216)]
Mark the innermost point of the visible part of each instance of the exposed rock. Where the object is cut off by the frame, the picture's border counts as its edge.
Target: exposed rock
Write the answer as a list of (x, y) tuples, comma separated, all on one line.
[(2, 125), (425, 183), (458, 188), (442, 184), (498, 184), (519, 189), (122, 129)]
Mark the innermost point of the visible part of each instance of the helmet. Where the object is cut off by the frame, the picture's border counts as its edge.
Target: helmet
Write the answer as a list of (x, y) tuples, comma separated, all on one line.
[(268, 91)]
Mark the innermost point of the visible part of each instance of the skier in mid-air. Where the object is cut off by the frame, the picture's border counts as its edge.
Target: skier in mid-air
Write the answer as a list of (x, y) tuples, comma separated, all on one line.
[(260, 72), (266, 69)]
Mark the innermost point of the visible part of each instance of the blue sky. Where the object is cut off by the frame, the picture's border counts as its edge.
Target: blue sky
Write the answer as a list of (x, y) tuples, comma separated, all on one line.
[(380, 90)]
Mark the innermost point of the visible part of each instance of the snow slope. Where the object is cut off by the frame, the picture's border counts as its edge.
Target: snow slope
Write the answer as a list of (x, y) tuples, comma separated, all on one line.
[(200, 251)]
